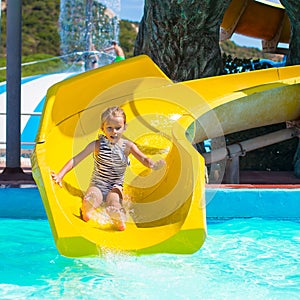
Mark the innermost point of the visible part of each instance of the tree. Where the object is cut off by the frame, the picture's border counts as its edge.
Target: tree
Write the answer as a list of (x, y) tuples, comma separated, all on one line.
[(182, 37), (293, 11), (292, 8)]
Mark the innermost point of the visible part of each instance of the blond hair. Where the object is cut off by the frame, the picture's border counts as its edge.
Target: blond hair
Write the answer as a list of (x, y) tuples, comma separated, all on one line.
[(114, 111)]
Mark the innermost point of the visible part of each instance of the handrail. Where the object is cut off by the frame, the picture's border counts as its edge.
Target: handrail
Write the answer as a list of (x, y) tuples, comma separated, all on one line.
[(80, 54), (34, 114), (22, 143), (24, 114)]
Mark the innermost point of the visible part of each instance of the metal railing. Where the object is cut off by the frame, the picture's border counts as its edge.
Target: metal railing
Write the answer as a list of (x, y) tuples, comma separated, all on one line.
[(34, 114)]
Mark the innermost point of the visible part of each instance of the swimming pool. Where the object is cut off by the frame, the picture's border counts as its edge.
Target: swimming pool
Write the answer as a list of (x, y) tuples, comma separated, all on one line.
[(242, 258)]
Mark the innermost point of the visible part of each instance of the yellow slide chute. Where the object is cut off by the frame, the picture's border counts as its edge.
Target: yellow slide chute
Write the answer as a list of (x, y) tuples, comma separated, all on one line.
[(167, 212), (261, 19)]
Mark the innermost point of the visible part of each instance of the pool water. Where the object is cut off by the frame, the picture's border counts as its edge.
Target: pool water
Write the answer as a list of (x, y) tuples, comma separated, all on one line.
[(241, 259)]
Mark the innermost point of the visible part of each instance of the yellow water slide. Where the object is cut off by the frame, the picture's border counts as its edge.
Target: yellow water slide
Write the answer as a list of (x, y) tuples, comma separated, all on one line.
[(167, 207), (261, 19), (167, 210), (247, 100)]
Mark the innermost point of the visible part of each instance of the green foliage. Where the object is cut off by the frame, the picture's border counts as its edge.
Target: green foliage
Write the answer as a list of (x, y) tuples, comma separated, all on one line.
[(45, 64), (230, 48), (41, 40), (240, 59), (128, 32), (36, 64), (39, 28)]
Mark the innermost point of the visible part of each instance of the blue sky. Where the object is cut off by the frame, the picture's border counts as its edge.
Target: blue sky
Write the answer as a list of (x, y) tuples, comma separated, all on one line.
[(132, 10)]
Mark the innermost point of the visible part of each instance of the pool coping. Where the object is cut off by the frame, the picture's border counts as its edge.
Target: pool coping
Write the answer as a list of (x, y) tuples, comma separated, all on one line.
[(261, 199), (222, 202), (248, 179)]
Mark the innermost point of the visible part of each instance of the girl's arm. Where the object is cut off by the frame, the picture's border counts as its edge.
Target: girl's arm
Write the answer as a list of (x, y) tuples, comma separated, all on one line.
[(74, 161), (146, 161)]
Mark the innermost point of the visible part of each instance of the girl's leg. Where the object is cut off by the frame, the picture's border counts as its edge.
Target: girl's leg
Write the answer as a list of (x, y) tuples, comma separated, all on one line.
[(115, 209), (92, 199)]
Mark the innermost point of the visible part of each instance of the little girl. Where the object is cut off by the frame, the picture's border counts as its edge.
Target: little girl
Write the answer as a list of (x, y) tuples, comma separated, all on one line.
[(110, 161)]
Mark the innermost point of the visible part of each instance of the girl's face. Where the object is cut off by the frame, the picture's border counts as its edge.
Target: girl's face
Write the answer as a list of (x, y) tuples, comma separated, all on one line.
[(113, 128)]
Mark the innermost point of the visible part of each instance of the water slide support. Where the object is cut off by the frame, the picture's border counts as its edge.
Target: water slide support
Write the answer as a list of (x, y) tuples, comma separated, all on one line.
[(233, 152), (13, 168)]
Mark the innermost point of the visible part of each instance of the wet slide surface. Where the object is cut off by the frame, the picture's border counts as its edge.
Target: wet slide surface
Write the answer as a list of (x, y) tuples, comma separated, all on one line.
[(166, 208), (166, 212)]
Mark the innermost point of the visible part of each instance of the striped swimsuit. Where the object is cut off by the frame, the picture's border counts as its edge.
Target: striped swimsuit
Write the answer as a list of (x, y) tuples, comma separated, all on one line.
[(109, 166)]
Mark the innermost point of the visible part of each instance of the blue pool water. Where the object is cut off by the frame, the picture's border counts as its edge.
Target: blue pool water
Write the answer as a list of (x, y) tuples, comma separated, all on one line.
[(249, 258)]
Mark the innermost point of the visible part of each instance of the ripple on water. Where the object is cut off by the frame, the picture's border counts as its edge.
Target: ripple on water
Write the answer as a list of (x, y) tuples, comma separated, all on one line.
[(241, 259)]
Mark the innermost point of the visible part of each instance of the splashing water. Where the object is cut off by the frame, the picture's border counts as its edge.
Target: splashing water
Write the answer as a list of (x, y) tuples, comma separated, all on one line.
[(88, 25), (241, 259)]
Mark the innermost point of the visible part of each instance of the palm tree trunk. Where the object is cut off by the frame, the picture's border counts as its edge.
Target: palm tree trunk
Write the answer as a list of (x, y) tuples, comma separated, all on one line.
[(182, 37), (292, 8)]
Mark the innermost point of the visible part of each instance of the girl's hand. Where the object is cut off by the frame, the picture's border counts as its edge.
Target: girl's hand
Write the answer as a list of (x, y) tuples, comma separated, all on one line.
[(158, 164), (57, 179)]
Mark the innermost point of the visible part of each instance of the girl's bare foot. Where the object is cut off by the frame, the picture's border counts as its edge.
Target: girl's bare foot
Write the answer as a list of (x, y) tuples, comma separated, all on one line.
[(88, 207), (84, 214), (117, 216)]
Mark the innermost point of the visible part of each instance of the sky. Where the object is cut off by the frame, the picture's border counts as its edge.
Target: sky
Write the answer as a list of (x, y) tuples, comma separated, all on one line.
[(132, 10)]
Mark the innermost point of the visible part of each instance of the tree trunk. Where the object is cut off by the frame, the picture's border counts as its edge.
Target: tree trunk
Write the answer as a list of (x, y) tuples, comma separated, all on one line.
[(292, 8), (182, 37)]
